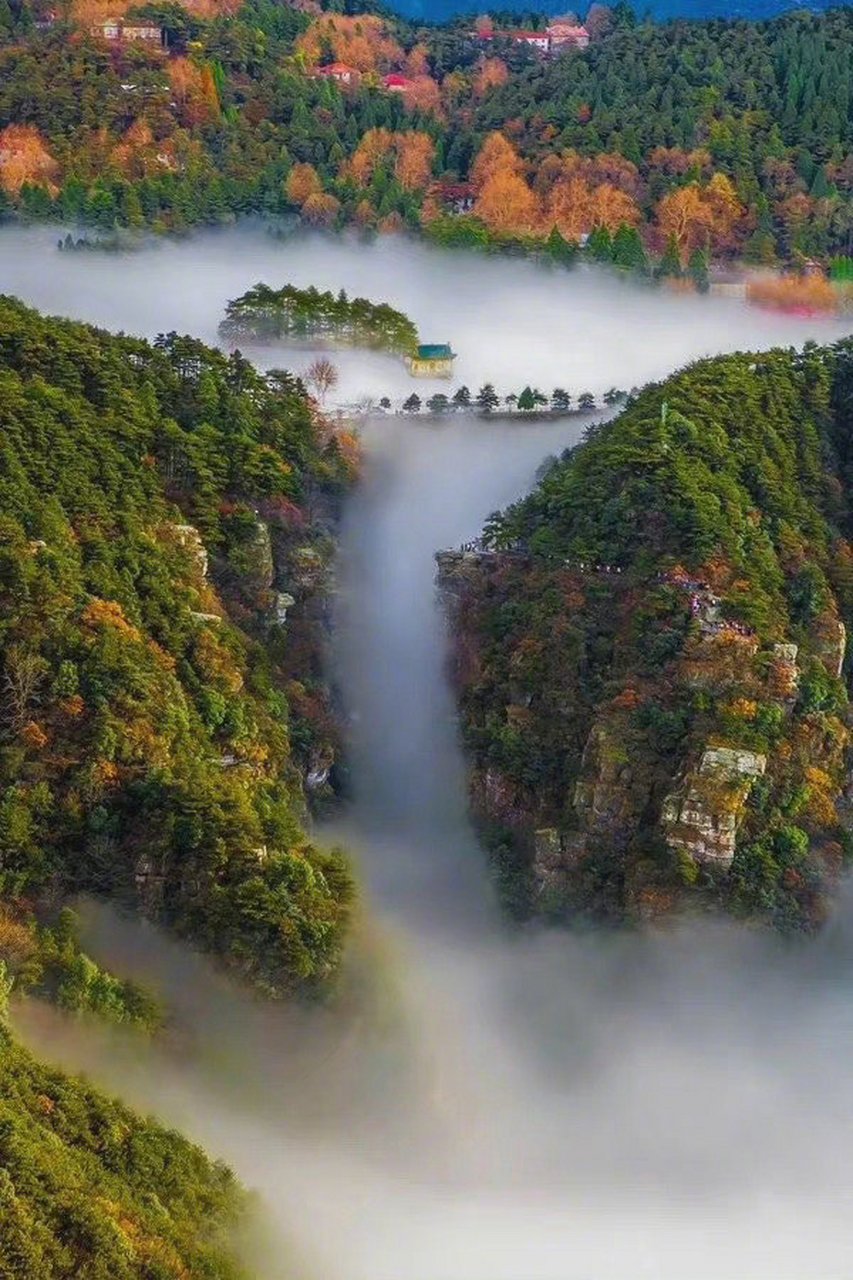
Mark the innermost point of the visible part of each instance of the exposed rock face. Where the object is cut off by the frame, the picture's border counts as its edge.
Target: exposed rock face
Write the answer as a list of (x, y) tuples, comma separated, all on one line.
[(494, 797), (786, 653), (150, 883), (831, 645), (556, 855), (283, 602), (603, 798), (785, 674), (190, 538), (608, 799), (702, 817), (260, 557)]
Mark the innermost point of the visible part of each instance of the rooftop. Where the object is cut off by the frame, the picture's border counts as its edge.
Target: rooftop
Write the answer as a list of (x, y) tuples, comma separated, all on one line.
[(335, 69), (435, 351)]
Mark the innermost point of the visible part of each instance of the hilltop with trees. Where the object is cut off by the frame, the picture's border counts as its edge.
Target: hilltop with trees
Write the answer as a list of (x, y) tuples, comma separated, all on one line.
[(89, 1189), (262, 314)]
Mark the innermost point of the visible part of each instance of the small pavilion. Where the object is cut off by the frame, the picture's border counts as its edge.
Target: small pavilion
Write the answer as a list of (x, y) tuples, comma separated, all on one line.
[(432, 360)]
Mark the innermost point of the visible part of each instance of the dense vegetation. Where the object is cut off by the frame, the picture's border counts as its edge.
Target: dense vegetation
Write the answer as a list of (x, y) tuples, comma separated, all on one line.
[(157, 720), (685, 140), (90, 1191), (676, 585), (660, 10), (161, 708), (263, 314)]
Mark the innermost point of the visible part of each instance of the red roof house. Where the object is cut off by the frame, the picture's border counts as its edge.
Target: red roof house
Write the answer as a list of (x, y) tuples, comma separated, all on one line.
[(396, 83), (337, 71), (568, 33)]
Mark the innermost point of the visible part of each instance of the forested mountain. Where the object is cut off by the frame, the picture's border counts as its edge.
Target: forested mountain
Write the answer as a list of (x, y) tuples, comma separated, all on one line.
[(728, 139), (158, 715), (651, 653), (161, 706)]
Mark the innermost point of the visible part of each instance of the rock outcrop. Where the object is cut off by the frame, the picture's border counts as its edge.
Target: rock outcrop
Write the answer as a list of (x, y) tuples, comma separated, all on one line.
[(702, 816), (189, 537)]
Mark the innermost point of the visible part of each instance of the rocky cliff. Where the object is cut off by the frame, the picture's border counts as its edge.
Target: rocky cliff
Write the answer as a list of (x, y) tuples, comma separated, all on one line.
[(650, 653)]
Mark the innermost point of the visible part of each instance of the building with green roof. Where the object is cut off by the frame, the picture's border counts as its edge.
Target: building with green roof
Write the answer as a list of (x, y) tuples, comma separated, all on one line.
[(432, 360)]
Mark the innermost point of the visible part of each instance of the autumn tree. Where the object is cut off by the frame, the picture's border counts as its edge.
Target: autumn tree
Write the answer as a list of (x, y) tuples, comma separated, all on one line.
[(361, 41), (302, 183), (497, 155), (685, 219), (322, 375), (696, 217), (490, 73), (24, 671), (24, 158), (415, 154), (506, 204), (321, 209), (576, 208), (417, 60), (372, 149), (423, 94)]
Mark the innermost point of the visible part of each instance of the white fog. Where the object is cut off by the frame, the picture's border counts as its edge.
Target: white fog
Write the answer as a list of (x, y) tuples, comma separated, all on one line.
[(488, 1105), (511, 322)]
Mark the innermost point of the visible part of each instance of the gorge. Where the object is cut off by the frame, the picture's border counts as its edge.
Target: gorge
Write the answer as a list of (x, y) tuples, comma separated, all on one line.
[(499, 1102)]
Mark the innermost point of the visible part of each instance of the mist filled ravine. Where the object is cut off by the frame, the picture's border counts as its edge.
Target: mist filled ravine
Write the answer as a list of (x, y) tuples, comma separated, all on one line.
[(485, 1103)]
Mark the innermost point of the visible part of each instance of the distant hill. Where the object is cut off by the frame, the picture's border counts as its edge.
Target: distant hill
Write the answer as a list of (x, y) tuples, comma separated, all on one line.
[(660, 10)]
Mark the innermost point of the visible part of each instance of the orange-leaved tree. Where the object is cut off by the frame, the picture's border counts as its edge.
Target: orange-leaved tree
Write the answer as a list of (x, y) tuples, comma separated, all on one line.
[(497, 155), (506, 203), (25, 158), (302, 183)]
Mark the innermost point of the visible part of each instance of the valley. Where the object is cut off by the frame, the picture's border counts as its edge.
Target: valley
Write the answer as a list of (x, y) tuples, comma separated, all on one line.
[(476, 1099)]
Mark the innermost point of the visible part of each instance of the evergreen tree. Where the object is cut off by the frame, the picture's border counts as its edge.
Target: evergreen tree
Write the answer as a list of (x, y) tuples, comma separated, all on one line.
[(487, 398), (599, 246), (697, 270), (628, 252), (559, 249), (670, 263)]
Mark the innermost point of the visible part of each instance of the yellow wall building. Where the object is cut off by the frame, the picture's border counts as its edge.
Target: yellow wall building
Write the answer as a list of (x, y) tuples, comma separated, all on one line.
[(432, 361)]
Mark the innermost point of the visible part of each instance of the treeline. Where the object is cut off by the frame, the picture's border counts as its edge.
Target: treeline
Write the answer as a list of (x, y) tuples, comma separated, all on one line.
[(722, 139), (486, 401), (593, 702), (158, 712), (263, 314)]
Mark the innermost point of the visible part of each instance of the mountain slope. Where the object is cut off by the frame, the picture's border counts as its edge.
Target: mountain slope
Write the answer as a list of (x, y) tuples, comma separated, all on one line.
[(720, 139), (166, 526), (165, 536), (650, 656), (91, 1191)]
